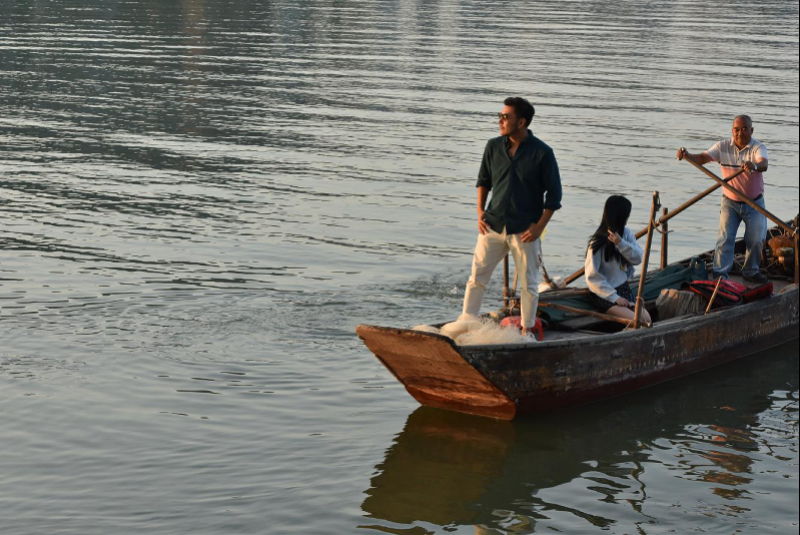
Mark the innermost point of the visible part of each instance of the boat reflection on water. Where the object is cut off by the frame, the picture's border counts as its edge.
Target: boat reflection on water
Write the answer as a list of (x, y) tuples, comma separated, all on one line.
[(451, 469)]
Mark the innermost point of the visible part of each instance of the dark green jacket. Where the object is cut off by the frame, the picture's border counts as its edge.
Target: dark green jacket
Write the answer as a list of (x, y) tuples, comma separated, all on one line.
[(522, 186)]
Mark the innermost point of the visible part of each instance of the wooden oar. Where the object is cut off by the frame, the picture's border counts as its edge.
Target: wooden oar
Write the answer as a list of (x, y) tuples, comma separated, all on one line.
[(744, 198), (578, 274), (582, 312), (766, 213), (637, 313)]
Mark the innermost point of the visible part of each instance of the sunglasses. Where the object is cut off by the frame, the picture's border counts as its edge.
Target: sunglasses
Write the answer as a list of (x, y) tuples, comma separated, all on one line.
[(504, 116)]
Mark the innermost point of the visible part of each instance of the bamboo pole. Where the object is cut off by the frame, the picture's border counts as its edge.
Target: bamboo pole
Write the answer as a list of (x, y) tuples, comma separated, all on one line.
[(506, 291), (744, 198), (582, 312), (664, 238), (578, 274), (690, 202), (714, 295), (637, 313)]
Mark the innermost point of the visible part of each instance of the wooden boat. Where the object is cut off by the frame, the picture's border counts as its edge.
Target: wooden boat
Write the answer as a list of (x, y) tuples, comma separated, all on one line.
[(583, 362)]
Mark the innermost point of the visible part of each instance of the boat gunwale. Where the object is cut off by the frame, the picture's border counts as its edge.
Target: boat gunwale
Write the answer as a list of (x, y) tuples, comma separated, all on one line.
[(688, 321), (659, 328)]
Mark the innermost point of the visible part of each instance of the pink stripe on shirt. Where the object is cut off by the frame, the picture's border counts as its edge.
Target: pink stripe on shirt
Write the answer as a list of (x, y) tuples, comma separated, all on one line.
[(731, 158)]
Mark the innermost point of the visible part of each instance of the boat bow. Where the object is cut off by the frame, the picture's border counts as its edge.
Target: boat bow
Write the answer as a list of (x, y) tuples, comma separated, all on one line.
[(435, 373)]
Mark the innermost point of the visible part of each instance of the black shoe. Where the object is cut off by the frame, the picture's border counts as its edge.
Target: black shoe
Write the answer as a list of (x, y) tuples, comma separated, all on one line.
[(757, 277)]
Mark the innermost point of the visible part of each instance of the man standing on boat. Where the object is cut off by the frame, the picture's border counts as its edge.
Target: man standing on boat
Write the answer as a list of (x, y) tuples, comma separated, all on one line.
[(521, 172), (741, 151)]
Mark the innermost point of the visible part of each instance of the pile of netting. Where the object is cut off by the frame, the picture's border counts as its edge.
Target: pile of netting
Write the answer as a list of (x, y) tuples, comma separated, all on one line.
[(470, 331)]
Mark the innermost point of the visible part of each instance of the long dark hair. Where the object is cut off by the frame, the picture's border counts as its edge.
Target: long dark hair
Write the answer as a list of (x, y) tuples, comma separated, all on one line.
[(615, 217)]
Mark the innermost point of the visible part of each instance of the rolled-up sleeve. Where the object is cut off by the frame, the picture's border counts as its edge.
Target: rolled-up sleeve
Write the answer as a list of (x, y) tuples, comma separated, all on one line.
[(629, 249), (551, 179), (485, 173)]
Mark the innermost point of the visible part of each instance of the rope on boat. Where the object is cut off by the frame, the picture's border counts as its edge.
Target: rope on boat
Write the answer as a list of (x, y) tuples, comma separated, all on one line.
[(657, 228), (658, 223)]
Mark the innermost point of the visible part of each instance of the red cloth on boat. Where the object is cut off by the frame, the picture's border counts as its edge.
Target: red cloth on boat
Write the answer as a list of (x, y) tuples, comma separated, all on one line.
[(730, 293), (759, 292), (516, 321)]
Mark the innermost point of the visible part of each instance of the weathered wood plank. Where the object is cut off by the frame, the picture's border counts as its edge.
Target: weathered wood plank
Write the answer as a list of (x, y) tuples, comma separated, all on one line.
[(435, 373)]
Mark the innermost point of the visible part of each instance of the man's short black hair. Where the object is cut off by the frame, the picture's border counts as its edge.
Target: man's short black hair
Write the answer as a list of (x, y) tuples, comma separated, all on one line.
[(522, 108)]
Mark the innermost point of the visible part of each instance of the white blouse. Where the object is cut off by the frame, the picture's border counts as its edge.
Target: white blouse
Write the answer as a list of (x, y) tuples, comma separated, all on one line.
[(603, 277)]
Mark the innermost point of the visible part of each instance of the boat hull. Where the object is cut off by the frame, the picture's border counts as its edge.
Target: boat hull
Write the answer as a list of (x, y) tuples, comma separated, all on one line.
[(435, 372), (507, 381)]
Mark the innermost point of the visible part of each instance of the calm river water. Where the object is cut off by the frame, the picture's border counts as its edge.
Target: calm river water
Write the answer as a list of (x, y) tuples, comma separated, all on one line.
[(200, 199)]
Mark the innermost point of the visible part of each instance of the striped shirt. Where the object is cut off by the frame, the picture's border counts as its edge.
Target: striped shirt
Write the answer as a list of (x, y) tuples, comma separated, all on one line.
[(731, 158)]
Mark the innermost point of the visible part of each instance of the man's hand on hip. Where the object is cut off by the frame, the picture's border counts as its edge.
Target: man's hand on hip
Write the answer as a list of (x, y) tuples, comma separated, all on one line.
[(532, 234), (483, 226)]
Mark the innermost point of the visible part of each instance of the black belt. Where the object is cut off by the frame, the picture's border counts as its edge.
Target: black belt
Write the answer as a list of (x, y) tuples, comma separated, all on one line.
[(761, 196)]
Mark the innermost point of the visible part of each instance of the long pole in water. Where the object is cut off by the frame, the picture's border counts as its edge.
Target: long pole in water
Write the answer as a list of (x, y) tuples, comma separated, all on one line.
[(744, 198), (766, 213), (639, 299), (578, 274)]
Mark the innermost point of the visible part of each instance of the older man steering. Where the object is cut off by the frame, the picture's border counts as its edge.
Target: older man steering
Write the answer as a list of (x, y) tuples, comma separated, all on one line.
[(741, 151)]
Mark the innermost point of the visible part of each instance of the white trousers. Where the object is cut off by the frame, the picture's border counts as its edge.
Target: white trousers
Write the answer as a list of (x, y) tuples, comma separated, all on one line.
[(490, 251)]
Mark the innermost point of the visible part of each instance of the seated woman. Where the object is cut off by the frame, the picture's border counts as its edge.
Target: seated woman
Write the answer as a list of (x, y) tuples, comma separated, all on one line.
[(612, 253)]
